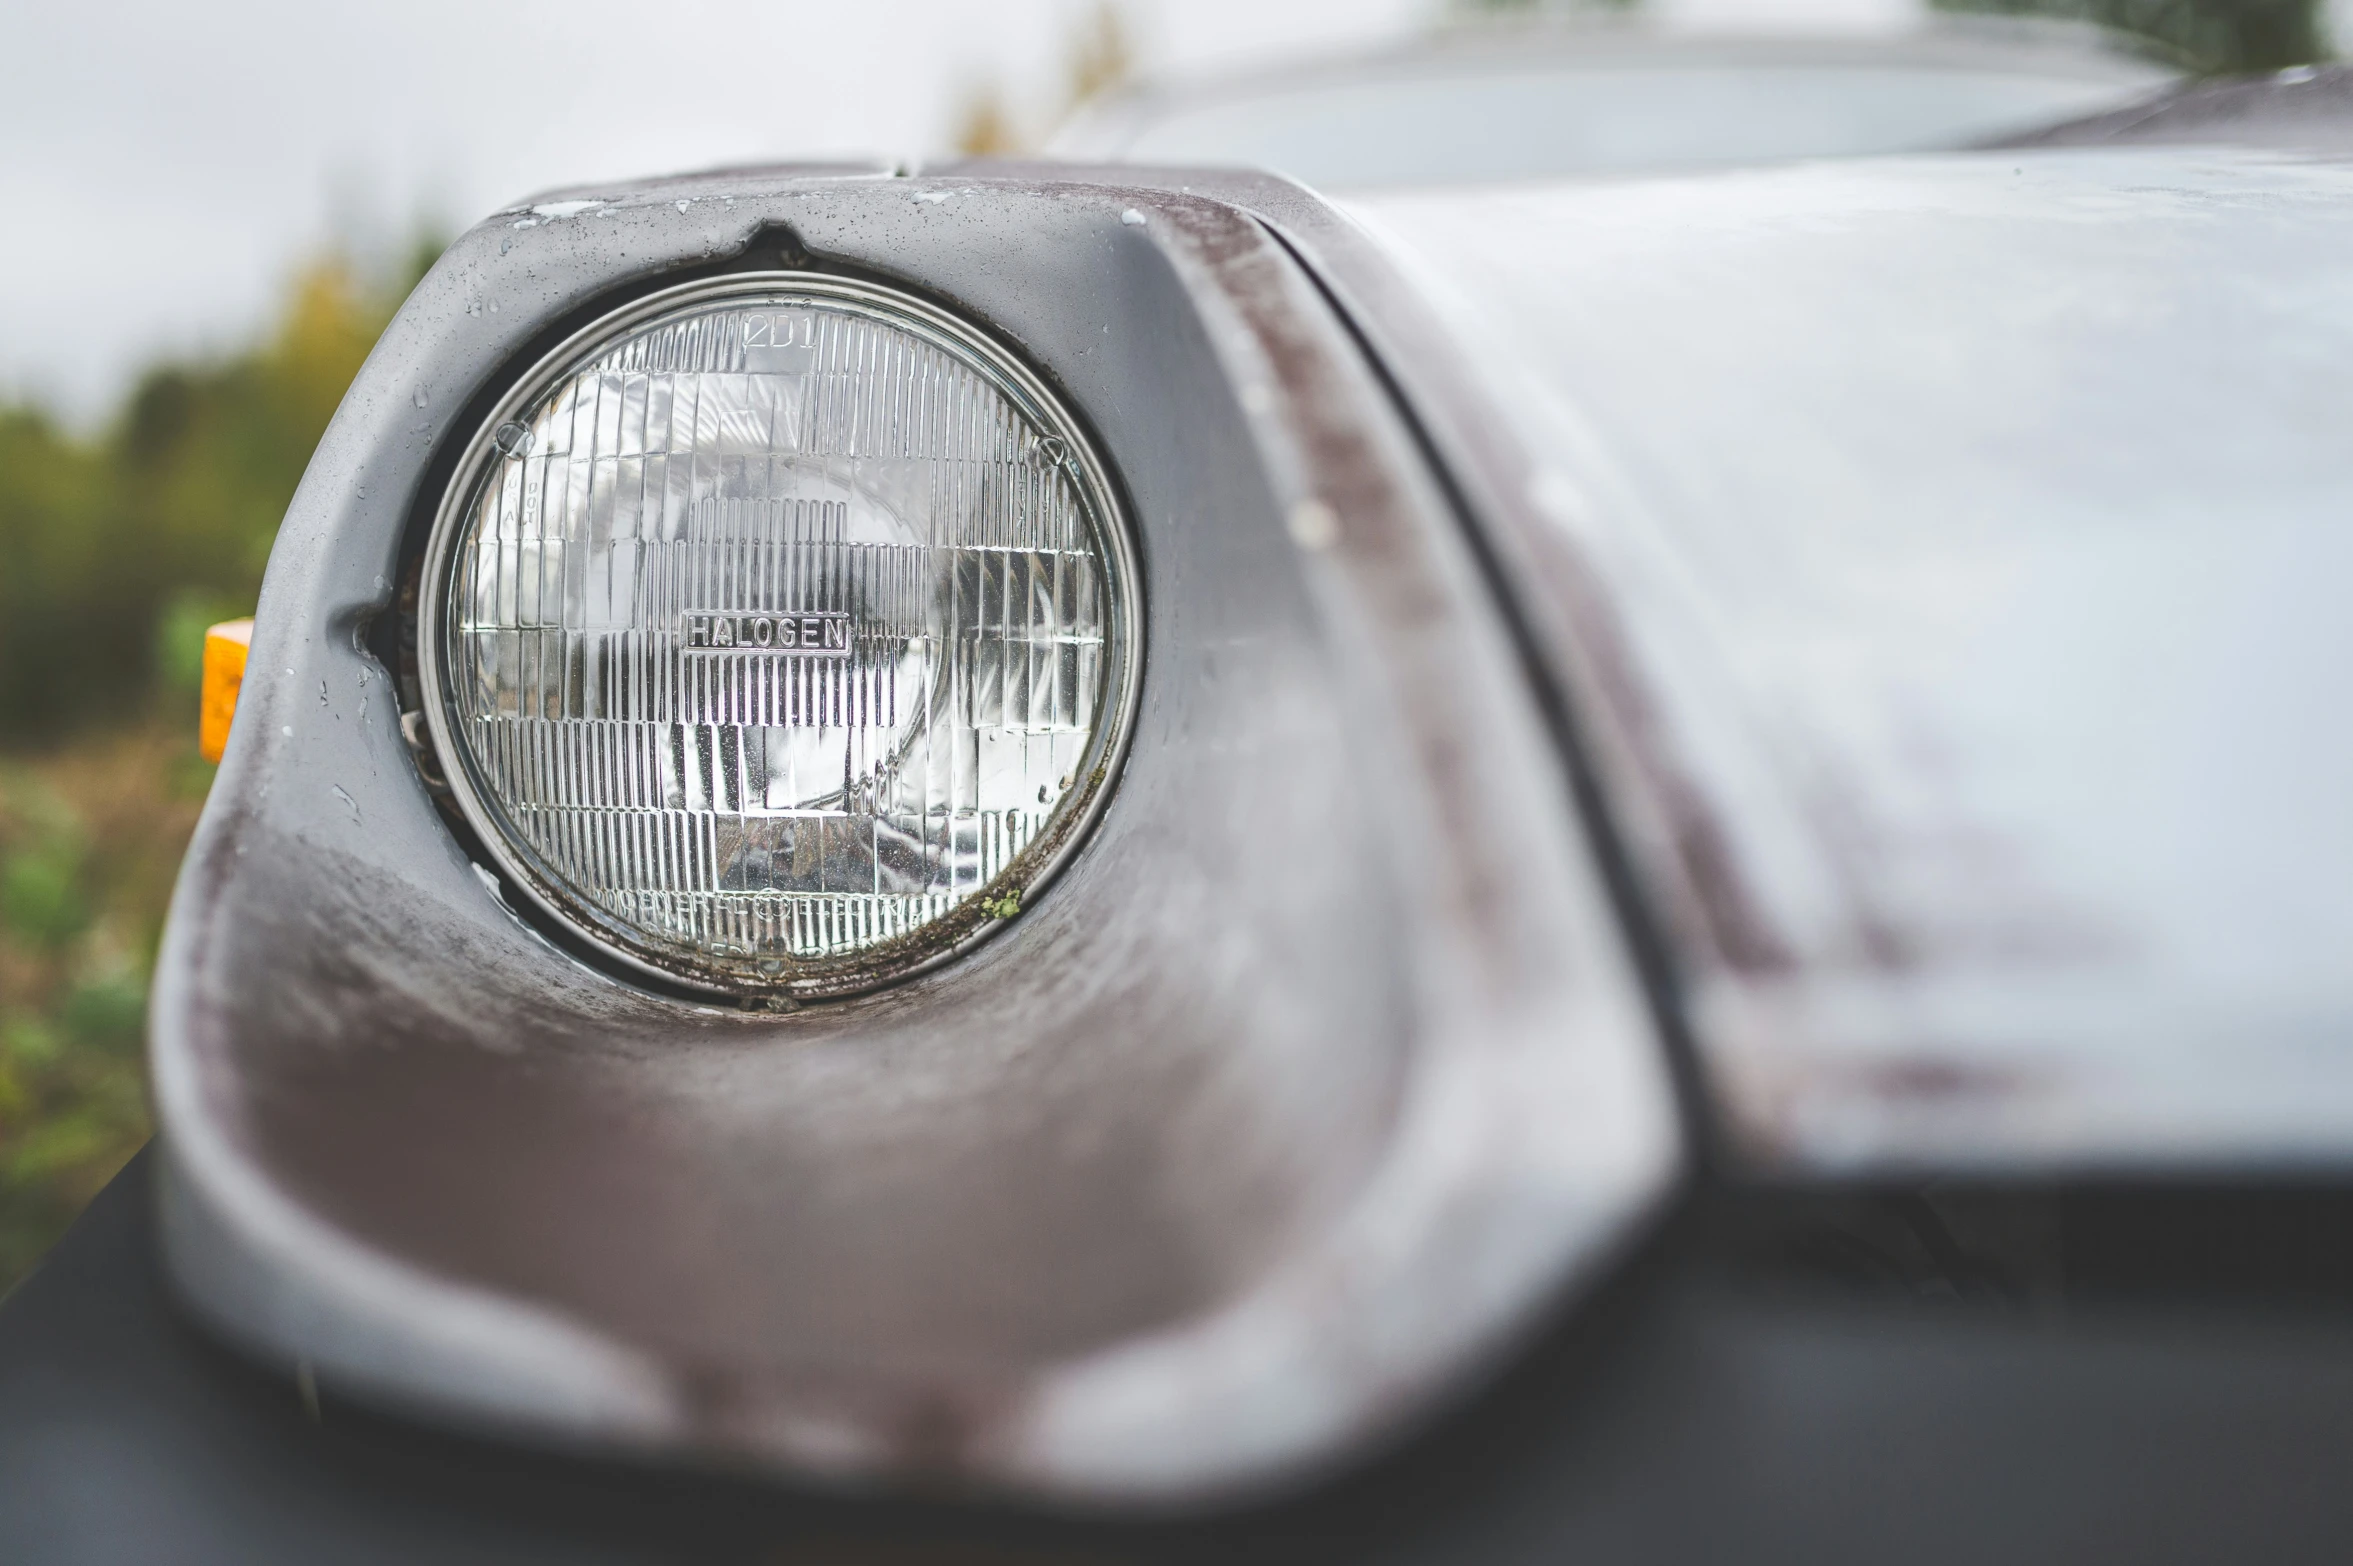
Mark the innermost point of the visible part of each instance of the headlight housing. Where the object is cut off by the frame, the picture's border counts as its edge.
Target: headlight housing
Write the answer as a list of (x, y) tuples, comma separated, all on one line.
[(779, 633)]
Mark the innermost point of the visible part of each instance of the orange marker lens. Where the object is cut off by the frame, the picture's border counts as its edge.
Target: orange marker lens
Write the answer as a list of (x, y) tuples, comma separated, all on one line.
[(225, 647)]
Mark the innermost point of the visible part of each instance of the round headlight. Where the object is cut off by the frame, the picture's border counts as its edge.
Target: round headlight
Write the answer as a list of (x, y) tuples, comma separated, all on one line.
[(780, 634)]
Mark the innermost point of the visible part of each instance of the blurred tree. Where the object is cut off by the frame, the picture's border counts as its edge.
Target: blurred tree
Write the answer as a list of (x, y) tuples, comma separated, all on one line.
[(1099, 56), (984, 126), (1102, 55), (2207, 35), (117, 543), (1474, 10), (55, 658)]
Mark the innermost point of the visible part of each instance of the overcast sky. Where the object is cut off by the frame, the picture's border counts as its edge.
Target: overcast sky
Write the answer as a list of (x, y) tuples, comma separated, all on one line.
[(166, 164)]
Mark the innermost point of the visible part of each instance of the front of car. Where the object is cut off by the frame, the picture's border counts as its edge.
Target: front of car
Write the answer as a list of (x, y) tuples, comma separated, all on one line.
[(1084, 860)]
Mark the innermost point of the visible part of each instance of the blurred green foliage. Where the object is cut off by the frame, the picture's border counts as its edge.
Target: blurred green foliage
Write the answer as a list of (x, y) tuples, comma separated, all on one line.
[(2206, 35), (2215, 36), (121, 545), (119, 541), (90, 837)]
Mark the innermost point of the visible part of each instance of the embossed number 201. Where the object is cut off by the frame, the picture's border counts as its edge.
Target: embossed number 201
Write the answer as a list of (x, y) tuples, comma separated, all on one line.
[(775, 331)]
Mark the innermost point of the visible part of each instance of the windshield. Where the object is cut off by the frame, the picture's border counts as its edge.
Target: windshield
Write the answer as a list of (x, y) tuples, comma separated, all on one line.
[(1498, 122)]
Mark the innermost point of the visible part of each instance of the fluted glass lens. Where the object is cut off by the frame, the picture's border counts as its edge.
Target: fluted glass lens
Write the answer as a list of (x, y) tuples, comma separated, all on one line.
[(778, 627)]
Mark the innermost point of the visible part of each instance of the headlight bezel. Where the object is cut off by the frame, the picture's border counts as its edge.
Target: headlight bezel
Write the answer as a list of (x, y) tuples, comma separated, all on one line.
[(983, 911)]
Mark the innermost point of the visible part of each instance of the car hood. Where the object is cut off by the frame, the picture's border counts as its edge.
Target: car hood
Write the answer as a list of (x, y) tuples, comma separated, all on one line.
[(1946, 559)]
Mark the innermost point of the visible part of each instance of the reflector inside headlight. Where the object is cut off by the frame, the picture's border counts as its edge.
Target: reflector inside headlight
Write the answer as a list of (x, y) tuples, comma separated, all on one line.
[(780, 632)]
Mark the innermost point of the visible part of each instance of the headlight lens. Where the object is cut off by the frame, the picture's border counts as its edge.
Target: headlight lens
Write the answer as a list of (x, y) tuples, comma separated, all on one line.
[(781, 632)]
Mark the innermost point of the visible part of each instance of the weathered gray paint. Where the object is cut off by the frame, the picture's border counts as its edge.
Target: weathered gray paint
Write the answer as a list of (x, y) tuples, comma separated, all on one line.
[(1949, 558), (1316, 1074)]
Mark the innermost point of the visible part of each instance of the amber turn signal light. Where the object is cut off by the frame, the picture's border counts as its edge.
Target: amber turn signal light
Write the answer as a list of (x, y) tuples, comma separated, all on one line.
[(225, 647)]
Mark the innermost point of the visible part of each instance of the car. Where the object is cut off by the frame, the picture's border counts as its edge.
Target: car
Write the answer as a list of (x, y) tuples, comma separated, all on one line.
[(1600, 97), (1090, 861)]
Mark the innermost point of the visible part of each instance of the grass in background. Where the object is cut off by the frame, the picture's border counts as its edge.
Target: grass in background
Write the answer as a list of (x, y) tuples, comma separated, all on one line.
[(121, 546), (90, 839)]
